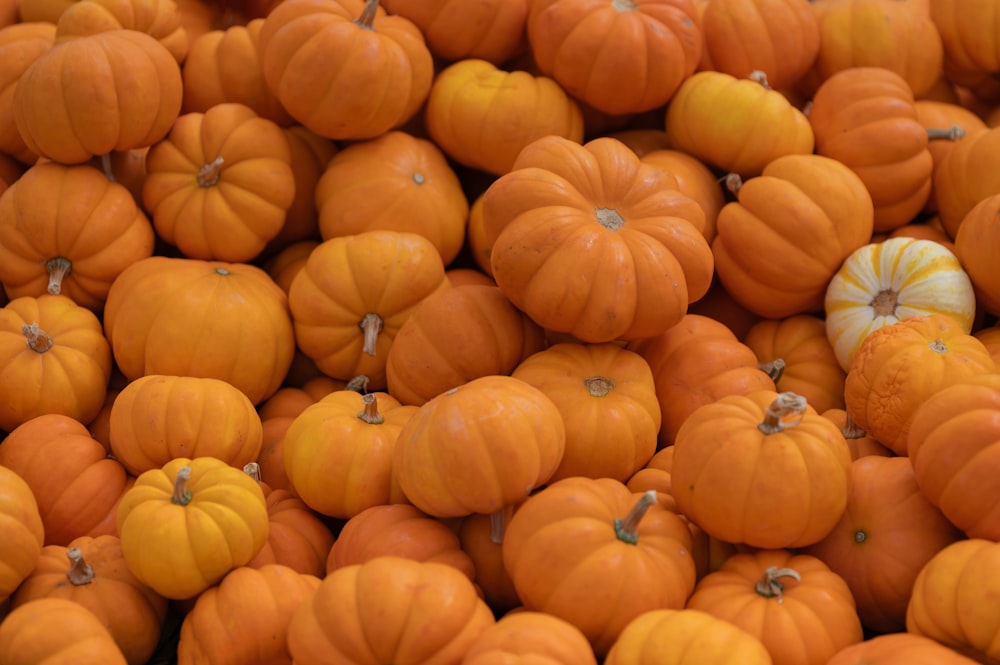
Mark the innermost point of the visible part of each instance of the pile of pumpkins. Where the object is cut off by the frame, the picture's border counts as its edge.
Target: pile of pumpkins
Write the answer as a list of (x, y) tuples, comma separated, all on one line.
[(441, 332)]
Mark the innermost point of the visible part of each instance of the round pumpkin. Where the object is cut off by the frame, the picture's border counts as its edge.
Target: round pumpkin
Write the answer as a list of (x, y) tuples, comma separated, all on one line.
[(481, 537), (965, 176), (159, 19), (52, 630), (23, 529), (20, 45), (693, 178), (527, 636)]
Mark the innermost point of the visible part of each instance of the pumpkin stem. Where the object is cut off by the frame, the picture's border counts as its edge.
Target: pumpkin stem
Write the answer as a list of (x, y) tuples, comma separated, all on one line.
[(182, 495), (784, 405), (884, 303), (851, 430), (624, 5), (498, 526), (733, 182), (252, 469), (609, 218), (952, 133), (774, 369), (80, 572), (371, 325), (599, 386), (627, 528), (38, 340), (367, 18), (106, 167), (58, 268), (358, 384), (209, 174), (760, 77), (370, 413), (770, 586), (938, 346), (419, 178)]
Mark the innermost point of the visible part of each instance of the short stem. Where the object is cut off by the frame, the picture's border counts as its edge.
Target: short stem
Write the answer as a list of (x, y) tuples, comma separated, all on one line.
[(370, 413), (38, 340), (599, 386), (759, 77), (770, 585), (80, 572), (358, 384), (785, 404), (209, 174), (733, 182), (938, 346), (952, 133), (58, 268), (851, 430), (252, 469), (884, 303), (371, 326), (182, 495), (627, 528), (498, 526), (367, 18), (609, 218), (774, 369), (106, 167)]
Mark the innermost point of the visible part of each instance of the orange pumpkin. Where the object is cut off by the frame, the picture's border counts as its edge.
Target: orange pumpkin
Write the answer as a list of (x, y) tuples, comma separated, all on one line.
[(481, 537), (525, 636), (159, 19), (971, 46), (693, 178), (53, 630), (899, 649), (937, 115), (965, 176), (24, 533), (48, 245), (858, 442), (975, 246), (123, 91), (20, 45), (616, 222)]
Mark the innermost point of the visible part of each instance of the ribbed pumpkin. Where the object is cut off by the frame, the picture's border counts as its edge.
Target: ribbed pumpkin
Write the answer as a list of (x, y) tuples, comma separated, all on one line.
[(693, 177), (966, 176), (527, 636), (23, 531), (52, 630), (899, 649), (160, 19), (976, 241), (20, 45)]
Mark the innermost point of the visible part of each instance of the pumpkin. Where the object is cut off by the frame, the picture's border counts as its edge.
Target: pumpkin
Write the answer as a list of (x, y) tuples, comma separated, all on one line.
[(397, 530), (797, 351), (223, 66), (977, 235), (930, 229), (331, 64), (934, 115), (970, 47), (51, 630), (456, 30), (693, 178), (884, 282), (530, 635), (220, 184), (888, 532), (520, 107), (597, 555), (736, 124), (354, 293), (952, 599), (685, 637), (123, 91), (965, 176), (696, 362), (92, 571), (24, 533), (20, 45), (186, 524), (952, 444), (388, 610), (794, 604), (310, 155), (396, 182), (54, 359), (285, 264), (762, 469), (599, 52), (910, 361), (47, 246), (481, 537), (454, 336), (778, 246), (607, 398), (156, 418), (616, 222), (261, 601), (479, 447), (338, 453), (159, 19), (212, 319), (899, 649)]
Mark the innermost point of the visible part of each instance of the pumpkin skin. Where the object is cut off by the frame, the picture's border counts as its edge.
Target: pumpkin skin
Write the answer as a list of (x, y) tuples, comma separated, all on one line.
[(78, 249), (566, 38), (909, 361), (454, 336), (188, 317), (354, 53), (722, 451), (899, 649), (92, 571), (20, 45), (261, 601), (888, 532), (952, 444), (338, 453), (970, 46), (685, 637), (735, 124), (938, 115), (159, 19), (574, 550), (966, 176), (800, 622), (397, 530), (354, 293), (156, 418), (396, 182), (23, 531), (367, 614), (125, 92), (530, 637), (54, 360), (241, 189), (693, 177), (607, 398), (479, 447), (977, 234), (472, 93), (952, 599), (54, 630), (616, 220), (882, 283), (481, 537), (778, 246)]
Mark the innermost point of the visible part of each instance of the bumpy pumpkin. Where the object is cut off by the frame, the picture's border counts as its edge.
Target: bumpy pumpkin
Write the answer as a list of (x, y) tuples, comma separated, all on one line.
[(23, 531)]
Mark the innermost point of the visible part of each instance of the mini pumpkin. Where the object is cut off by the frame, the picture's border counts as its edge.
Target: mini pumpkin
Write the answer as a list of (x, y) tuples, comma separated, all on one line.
[(54, 629), (23, 531)]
